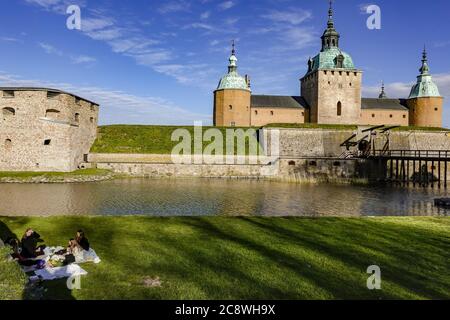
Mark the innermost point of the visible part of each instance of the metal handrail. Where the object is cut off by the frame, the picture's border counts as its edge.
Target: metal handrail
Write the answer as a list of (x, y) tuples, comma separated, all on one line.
[(442, 154)]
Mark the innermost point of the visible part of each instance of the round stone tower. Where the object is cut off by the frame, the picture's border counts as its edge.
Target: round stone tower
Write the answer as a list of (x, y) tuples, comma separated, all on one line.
[(232, 98), (425, 102)]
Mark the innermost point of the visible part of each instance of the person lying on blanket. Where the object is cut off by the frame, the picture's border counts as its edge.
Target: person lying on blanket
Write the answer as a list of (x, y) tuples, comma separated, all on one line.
[(30, 249)]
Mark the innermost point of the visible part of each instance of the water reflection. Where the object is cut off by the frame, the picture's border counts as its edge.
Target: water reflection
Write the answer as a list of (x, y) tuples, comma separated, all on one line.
[(192, 197)]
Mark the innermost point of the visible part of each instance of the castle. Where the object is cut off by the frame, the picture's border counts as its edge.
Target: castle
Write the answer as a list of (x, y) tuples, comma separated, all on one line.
[(330, 94), (45, 129)]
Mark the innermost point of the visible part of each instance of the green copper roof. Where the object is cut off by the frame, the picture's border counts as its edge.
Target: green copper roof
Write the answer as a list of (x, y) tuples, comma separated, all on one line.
[(232, 80), (425, 87), (330, 59)]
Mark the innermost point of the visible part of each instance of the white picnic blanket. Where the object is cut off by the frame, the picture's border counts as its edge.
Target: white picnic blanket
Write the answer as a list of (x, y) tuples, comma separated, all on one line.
[(60, 272)]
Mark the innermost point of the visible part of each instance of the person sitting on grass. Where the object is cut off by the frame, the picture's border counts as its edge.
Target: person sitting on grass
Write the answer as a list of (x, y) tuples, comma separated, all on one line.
[(29, 247), (82, 241)]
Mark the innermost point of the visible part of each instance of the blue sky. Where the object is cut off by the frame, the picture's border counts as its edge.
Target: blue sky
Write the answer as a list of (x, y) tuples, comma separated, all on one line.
[(158, 62)]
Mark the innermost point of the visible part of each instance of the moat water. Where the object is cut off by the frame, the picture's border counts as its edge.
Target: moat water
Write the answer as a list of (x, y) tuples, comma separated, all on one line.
[(222, 197)]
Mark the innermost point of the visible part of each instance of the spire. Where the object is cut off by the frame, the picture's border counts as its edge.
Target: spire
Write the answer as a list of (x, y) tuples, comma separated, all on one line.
[(382, 93), (424, 70), (425, 87), (232, 67), (330, 16), (330, 37)]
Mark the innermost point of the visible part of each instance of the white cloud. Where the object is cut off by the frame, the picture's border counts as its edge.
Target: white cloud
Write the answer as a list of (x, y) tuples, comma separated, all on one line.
[(292, 16), (205, 15), (174, 6), (82, 59), (226, 5), (50, 49)]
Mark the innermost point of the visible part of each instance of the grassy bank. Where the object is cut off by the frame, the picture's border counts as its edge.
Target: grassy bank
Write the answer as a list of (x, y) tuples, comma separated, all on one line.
[(256, 258), (144, 139), (84, 175)]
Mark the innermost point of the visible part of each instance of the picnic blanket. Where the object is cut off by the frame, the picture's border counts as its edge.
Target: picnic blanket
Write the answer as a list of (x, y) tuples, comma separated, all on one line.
[(60, 272)]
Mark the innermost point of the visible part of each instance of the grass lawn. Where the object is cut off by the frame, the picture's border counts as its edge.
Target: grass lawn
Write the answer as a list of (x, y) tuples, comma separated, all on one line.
[(29, 174), (251, 257), (144, 139)]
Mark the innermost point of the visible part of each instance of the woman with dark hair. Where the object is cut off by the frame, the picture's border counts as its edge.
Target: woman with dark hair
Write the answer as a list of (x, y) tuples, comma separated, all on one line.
[(29, 242), (82, 241)]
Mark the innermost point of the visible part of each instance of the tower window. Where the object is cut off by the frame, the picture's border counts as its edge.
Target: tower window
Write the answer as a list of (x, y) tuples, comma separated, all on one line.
[(271, 113), (91, 119), (339, 108), (303, 114), (404, 116), (7, 112), (230, 107), (292, 163), (373, 115), (436, 109), (51, 113), (47, 142), (77, 117), (8, 94), (256, 112), (8, 143), (52, 94), (390, 116), (350, 84)]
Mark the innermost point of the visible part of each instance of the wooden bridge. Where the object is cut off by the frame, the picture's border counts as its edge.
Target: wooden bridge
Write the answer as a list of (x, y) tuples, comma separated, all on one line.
[(417, 167)]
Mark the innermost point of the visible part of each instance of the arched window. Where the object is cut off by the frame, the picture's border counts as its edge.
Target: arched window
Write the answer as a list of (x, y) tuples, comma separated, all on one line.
[(339, 108), (52, 113), (256, 112), (230, 107), (271, 113), (77, 117), (91, 119), (8, 112), (8, 144)]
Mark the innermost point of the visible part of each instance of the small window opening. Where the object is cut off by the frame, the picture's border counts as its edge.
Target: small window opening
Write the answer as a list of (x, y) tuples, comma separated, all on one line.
[(77, 117), (8, 93), (8, 112), (313, 163), (373, 115), (339, 108), (52, 94), (8, 143), (271, 113), (47, 142), (230, 107), (292, 163), (390, 116), (336, 164)]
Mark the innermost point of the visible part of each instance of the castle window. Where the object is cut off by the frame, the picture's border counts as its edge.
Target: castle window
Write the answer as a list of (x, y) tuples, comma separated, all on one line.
[(292, 163), (348, 73), (52, 94), (77, 100), (8, 144), (8, 93), (329, 82), (91, 119), (47, 142), (355, 73), (325, 72), (332, 72), (313, 163), (51, 113), (404, 116), (303, 114), (230, 107), (336, 164), (271, 113), (233, 124), (77, 117), (340, 73), (390, 116), (436, 109), (373, 115), (256, 112), (339, 109), (8, 112), (350, 84)]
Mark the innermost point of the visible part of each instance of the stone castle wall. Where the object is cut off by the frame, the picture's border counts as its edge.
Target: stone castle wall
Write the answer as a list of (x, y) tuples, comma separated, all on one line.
[(45, 133), (325, 89), (385, 117)]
